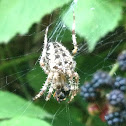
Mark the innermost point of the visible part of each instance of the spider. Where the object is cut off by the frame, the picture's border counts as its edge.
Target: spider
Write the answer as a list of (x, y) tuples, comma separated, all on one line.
[(58, 64)]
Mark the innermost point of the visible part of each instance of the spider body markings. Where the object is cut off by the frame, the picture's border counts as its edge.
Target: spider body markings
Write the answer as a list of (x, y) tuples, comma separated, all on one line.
[(58, 64)]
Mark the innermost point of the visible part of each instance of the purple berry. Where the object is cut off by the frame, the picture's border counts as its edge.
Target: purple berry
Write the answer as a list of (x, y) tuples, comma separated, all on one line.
[(120, 84), (102, 79), (115, 119), (116, 98), (122, 60), (89, 93)]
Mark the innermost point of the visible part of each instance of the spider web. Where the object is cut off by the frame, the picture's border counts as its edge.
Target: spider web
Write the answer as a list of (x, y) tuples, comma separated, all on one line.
[(15, 80)]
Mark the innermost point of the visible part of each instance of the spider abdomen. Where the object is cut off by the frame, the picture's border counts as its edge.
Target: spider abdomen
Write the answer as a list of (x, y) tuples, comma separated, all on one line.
[(58, 58)]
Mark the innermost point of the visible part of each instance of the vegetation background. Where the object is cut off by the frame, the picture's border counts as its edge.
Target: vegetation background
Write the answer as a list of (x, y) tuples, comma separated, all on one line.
[(101, 35)]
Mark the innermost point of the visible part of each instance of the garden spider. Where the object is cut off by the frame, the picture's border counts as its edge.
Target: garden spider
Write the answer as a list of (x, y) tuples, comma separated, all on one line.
[(58, 64)]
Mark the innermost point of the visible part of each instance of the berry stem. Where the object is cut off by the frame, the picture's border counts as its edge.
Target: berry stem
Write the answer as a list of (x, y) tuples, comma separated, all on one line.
[(114, 69)]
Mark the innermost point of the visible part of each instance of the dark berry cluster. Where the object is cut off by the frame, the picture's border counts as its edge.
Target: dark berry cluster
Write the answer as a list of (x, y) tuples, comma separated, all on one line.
[(89, 93), (102, 79), (122, 60), (116, 98), (91, 90), (120, 84), (115, 119), (117, 110), (110, 106)]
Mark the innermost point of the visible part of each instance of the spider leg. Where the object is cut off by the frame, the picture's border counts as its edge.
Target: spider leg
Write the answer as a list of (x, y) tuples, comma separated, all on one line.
[(54, 81), (50, 92), (73, 85), (43, 89), (45, 38), (76, 82), (44, 48), (72, 93), (74, 36), (63, 79), (71, 82)]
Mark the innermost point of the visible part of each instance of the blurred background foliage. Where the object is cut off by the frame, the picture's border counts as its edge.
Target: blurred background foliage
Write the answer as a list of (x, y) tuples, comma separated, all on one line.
[(99, 24)]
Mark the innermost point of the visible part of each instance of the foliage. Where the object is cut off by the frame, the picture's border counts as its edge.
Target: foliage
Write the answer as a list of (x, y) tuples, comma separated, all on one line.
[(94, 19), (21, 78), (88, 17), (36, 75), (17, 16), (16, 109), (13, 106), (25, 121)]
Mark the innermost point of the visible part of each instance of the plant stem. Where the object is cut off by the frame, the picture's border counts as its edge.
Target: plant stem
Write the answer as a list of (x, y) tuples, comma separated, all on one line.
[(114, 69), (89, 121)]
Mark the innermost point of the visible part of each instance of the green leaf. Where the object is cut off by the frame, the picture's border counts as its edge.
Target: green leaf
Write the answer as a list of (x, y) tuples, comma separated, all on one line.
[(36, 78), (17, 61), (12, 105), (24, 121), (17, 16), (94, 19)]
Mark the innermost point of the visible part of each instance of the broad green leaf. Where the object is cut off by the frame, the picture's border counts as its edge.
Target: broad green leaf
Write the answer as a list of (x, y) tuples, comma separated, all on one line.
[(36, 78), (17, 16), (94, 19), (24, 121), (12, 105)]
